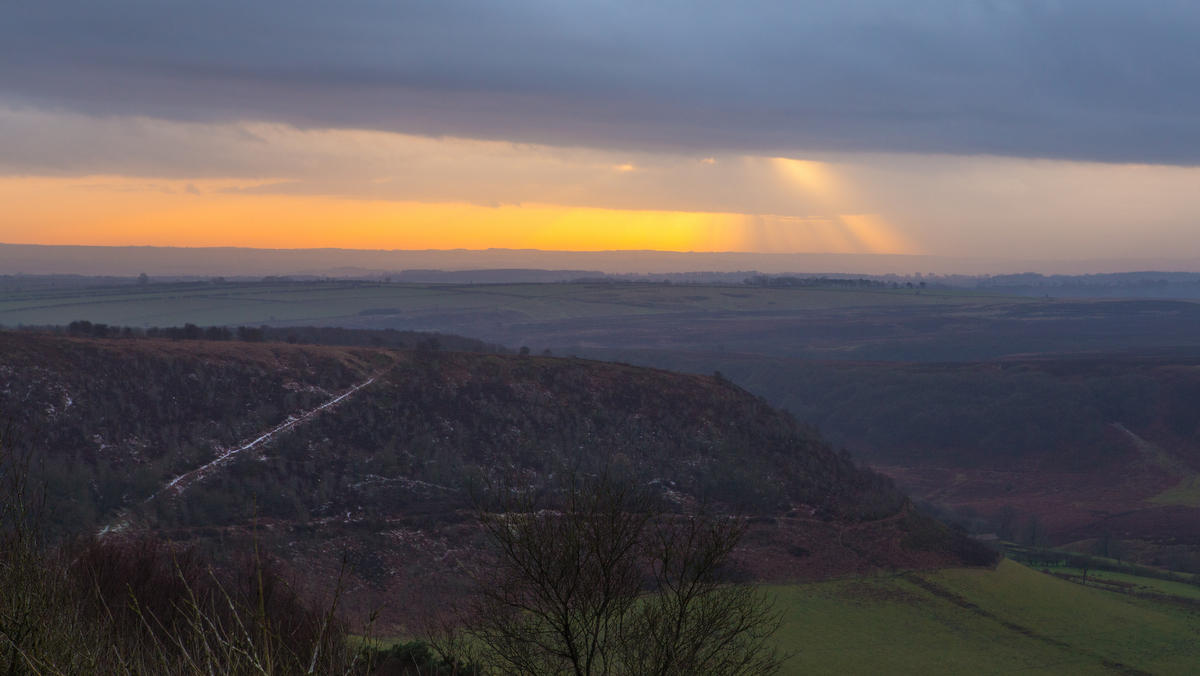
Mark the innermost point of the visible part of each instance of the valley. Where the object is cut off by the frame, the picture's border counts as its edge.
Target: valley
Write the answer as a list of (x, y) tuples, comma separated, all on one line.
[(1068, 422), (348, 445)]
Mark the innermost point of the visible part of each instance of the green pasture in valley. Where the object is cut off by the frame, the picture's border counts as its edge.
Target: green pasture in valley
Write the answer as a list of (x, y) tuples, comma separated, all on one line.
[(1186, 492), (1011, 620), (966, 621), (1135, 584)]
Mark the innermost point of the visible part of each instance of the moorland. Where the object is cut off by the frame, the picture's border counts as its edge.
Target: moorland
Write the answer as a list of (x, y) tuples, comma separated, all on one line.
[(316, 418), (1063, 422)]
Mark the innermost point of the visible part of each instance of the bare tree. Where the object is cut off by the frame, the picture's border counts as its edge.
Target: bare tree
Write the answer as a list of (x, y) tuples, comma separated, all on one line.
[(693, 622), (598, 579)]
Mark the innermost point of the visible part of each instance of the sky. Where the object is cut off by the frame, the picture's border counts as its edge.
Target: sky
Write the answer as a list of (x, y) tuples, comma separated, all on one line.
[(1055, 129)]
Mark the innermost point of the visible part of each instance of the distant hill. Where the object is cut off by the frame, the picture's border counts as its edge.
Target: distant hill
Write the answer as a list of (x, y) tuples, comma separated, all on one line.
[(145, 435)]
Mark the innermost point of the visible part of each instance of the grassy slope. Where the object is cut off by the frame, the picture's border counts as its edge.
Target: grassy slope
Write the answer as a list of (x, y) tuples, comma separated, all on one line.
[(1186, 493), (1013, 619)]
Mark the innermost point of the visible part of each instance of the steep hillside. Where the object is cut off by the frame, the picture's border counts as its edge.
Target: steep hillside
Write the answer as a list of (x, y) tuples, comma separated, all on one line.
[(316, 451), (430, 420), (1053, 449), (111, 420)]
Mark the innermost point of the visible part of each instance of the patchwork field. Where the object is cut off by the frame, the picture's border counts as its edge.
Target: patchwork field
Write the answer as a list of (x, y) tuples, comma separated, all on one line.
[(356, 303), (834, 322)]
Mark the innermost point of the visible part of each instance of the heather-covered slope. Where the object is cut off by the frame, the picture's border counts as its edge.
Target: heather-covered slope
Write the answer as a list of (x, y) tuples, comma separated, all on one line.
[(111, 420), (370, 452), (1101, 451), (432, 420)]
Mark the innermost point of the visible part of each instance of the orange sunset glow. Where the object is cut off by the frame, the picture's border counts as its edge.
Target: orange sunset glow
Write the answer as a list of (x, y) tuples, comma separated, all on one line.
[(405, 136), (117, 211)]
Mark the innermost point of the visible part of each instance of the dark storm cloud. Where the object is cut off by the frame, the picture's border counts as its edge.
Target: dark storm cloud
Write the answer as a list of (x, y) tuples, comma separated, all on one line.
[(1083, 79)]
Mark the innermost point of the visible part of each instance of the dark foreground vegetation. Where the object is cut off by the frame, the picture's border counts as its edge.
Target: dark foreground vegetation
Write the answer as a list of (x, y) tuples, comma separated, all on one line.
[(602, 577), (141, 606), (595, 577)]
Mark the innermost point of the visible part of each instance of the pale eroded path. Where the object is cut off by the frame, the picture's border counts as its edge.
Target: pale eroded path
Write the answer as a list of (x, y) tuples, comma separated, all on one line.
[(181, 483)]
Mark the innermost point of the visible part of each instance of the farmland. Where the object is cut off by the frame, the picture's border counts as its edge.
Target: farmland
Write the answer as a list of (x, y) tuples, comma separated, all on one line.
[(354, 303), (1010, 620), (833, 322)]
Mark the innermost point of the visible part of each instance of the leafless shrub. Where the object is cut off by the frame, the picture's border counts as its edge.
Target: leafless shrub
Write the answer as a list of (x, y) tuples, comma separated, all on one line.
[(138, 606), (599, 579)]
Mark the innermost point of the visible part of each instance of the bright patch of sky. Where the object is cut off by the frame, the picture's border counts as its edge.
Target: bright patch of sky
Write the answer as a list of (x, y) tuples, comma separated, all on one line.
[(977, 128)]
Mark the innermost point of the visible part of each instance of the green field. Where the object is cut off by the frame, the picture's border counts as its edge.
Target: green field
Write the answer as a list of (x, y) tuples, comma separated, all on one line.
[(1135, 584), (1011, 620), (1186, 492), (585, 319)]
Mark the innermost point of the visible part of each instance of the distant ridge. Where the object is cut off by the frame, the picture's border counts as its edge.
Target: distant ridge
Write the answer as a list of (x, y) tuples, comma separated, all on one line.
[(234, 261)]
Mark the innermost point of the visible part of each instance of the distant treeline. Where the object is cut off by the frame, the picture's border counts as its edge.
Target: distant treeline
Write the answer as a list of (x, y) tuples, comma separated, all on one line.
[(1107, 280), (1181, 567), (307, 335), (790, 281)]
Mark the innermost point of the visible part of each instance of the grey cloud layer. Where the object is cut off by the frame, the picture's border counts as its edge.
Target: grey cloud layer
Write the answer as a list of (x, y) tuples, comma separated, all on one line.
[(1079, 79)]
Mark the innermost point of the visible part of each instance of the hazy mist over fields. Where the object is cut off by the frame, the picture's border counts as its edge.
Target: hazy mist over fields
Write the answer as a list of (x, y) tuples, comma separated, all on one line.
[(246, 262)]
